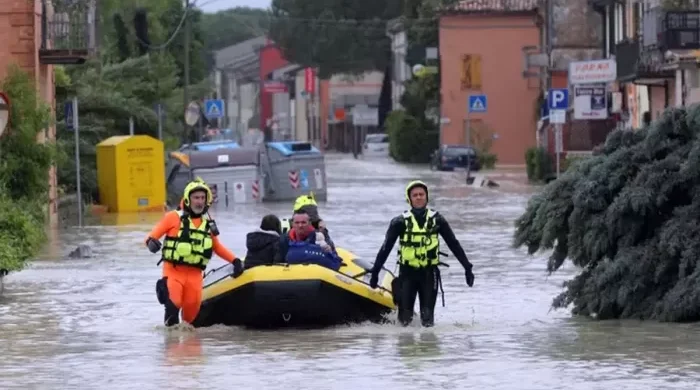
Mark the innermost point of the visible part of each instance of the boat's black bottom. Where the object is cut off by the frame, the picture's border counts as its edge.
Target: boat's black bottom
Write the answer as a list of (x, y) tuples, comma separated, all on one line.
[(292, 303)]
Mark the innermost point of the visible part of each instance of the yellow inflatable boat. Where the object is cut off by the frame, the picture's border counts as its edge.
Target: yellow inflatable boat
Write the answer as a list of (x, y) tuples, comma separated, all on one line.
[(297, 295)]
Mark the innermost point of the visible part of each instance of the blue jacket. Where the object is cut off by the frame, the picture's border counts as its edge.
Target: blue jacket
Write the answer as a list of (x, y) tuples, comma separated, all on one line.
[(298, 252)]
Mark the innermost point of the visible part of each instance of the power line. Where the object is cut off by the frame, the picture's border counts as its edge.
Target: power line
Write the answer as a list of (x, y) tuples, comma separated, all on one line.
[(172, 37)]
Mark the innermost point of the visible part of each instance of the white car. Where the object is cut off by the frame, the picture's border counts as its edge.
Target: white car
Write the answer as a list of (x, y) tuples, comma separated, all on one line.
[(376, 145)]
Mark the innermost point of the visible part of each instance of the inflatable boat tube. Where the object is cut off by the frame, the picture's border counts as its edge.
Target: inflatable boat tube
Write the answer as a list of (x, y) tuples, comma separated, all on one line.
[(295, 295)]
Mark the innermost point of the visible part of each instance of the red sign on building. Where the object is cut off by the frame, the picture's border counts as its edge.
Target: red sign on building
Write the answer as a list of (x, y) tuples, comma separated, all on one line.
[(309, 80)]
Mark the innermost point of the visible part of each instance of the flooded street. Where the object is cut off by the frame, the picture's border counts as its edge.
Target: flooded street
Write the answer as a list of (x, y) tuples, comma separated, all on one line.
[(95, 323)]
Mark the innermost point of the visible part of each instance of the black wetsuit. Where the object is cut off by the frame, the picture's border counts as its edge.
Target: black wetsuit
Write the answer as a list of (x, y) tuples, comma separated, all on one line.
[(421, 282)]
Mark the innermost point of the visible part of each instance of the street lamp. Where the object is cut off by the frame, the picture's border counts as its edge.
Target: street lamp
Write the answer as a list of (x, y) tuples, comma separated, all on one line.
[(4, 113)]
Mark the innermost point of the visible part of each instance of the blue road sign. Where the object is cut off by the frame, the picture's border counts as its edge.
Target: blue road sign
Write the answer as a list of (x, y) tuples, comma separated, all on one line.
[(68, 113), (477, 103), (558, 98), (214, 108)]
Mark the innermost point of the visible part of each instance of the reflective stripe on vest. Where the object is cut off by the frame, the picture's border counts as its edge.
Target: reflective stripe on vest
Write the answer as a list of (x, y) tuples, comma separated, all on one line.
[(193, 245), (419, 246)]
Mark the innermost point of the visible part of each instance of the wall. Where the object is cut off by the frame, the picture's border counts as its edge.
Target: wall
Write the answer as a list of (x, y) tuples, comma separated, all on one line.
[(511, 98), (20, 29)]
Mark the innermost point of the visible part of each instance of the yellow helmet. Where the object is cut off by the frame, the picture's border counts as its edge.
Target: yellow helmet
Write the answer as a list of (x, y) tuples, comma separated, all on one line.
[(414, 184), (197, 185), (304, 200)]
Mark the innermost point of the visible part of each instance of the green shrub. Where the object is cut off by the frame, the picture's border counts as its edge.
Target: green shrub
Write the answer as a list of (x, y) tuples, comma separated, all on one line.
[(487, 160), (24, 173), (538, 164), (410, 141)]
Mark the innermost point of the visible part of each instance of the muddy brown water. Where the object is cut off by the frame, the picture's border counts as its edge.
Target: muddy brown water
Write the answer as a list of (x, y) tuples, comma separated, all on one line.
[(94, 323)]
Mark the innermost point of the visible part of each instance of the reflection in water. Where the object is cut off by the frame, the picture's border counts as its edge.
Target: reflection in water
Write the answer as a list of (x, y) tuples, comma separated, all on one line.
[(183, 348), (650, 345), (89, 323), (415, 350)]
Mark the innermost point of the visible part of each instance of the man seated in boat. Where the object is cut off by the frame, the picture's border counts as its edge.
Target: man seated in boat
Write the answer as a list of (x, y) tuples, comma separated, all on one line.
[(304, 245), (307, 203)]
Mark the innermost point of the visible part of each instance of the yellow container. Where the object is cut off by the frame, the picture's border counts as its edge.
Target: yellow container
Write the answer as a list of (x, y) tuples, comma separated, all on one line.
[(131, 173)]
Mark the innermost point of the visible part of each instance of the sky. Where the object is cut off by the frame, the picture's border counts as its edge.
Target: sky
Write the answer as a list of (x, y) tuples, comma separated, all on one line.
[(218, 5)]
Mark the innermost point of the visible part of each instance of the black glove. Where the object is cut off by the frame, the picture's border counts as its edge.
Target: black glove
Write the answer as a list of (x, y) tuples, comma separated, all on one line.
[(374, 280), (153, 245), (237, 268), (469, 275)]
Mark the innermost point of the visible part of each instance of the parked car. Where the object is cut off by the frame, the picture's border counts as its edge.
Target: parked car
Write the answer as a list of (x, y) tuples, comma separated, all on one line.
[(376, 145), (449, 157)]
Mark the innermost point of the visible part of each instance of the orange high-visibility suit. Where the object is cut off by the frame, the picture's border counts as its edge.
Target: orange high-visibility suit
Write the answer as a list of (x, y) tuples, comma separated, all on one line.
[(184, 282)]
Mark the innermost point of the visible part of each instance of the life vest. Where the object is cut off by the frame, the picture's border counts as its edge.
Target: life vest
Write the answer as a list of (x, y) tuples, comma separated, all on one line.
[(419, 247), (193, 245), (304, 252)]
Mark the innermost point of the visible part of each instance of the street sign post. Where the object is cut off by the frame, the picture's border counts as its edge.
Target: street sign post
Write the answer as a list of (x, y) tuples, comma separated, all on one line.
[(71, 119), (558, 100), (214, 108), (475, 104)]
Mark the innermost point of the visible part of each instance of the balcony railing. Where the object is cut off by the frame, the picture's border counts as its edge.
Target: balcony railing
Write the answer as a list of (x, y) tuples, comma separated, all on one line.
[(635, 62), (672, 29), (67, 31)]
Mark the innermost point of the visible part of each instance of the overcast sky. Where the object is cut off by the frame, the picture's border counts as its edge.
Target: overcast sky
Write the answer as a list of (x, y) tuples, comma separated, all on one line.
[(218, 5)]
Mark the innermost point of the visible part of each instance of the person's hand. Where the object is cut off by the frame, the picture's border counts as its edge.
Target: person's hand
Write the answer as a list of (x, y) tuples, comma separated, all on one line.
[(326, 248), (237, 268), (374, 280), (153, 245), (469, 275)]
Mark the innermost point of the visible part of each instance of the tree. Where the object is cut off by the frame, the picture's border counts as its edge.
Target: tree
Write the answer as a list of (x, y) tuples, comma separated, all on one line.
[(627, 217), (24, 170), (338, 36)]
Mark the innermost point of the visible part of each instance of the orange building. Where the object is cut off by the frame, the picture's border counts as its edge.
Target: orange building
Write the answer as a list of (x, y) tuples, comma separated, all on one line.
[(481, 52), (35, 38)]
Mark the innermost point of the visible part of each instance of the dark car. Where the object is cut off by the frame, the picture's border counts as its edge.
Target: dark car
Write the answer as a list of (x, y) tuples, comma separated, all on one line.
[(449, 157)]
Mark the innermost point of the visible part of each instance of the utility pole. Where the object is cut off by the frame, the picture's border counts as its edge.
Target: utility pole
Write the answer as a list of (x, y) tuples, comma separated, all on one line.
[(186, 81), (550, 61)]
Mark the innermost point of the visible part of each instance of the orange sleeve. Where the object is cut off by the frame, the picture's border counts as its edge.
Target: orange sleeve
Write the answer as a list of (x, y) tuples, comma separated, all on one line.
[(221, 250), (170, 221)]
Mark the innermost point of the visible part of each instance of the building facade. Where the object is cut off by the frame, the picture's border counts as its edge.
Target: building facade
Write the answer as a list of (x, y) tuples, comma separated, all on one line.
[(39, 34)]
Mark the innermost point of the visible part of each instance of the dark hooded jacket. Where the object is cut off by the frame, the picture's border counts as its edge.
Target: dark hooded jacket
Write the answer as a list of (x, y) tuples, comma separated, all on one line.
[(262, 246)]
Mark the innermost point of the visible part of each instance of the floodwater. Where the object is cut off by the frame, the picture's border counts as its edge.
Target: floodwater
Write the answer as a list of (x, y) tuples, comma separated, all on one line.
[(94, 323)]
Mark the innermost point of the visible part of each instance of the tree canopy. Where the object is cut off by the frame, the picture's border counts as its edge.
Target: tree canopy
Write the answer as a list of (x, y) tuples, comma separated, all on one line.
[(628, 217), (337, 36)]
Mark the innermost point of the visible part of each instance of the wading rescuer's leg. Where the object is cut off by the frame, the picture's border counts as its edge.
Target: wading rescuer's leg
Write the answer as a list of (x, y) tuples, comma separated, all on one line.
[(192, 297), (171, 291), (409, 290), (427, 295)]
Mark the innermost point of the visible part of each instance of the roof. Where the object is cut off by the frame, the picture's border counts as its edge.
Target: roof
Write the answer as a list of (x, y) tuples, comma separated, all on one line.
[(492, 6), (227, 56)]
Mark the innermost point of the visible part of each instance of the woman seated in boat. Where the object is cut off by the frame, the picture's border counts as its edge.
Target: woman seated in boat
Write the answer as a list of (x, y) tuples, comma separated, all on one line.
[(302, 245), (263, 243)]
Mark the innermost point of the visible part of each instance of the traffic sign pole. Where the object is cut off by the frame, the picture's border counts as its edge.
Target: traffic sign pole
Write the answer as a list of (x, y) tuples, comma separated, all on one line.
[(558, 100), (76, 131), (475, 103)]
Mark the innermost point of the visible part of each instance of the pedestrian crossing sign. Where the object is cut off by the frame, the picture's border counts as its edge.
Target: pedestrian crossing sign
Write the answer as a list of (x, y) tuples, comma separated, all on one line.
[(477, 103), (214, 108)]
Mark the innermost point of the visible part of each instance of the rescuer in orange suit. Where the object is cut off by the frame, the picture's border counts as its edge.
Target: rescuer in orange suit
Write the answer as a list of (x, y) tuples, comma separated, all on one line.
[(190, 241)]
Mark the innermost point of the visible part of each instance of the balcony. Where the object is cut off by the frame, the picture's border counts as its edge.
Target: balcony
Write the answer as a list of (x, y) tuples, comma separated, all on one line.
[(672, 29), (67, 32), (639, 64)]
